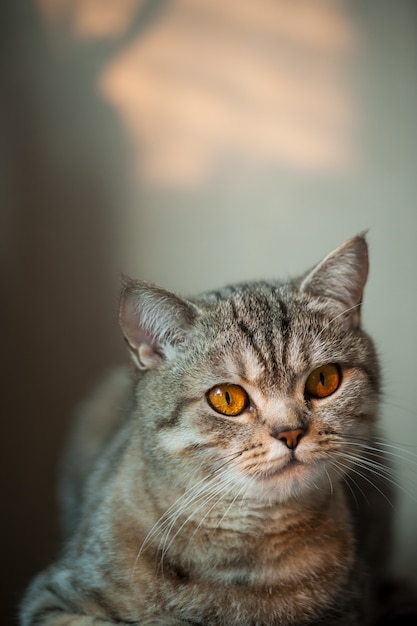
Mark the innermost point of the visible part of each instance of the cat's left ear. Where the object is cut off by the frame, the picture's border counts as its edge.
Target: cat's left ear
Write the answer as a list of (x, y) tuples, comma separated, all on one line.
[(154, 322), (341, 277)]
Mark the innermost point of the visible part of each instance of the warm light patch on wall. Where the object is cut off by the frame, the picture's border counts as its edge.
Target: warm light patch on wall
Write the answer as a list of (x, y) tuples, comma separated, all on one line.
[(90, 18), (212, 88)]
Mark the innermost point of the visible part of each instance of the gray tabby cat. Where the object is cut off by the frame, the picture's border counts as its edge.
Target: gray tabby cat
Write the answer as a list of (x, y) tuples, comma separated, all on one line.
[(228, 480)]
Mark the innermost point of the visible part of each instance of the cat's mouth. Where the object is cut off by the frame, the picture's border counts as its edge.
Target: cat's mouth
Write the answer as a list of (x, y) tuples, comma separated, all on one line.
[(291, 466)]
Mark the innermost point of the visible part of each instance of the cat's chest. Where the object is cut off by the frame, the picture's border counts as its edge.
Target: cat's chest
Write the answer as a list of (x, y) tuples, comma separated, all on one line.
[(263, 560), (271, 552), (241, 575)]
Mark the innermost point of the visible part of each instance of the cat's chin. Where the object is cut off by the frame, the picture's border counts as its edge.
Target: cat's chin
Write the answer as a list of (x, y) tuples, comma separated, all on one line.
[(293, 479)]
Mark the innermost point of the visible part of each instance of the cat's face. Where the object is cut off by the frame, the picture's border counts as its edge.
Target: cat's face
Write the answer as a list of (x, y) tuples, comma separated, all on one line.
[(269, 390)]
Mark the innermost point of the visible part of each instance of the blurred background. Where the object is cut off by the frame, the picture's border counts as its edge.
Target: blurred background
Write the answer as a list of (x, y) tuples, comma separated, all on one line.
[(191, 143)]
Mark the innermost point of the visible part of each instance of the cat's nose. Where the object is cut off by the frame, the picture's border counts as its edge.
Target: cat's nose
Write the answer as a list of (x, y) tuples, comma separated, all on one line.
[(291, 438)]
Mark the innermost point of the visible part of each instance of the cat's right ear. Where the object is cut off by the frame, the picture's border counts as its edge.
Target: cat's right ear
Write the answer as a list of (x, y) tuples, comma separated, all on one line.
[(154, 322), (340, 277)]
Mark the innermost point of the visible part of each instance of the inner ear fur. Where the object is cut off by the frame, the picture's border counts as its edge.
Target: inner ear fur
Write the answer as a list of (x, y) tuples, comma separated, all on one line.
[(154, 322)]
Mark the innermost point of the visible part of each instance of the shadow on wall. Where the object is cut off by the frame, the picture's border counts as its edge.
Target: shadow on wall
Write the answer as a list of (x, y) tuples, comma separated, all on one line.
[(60, 266)]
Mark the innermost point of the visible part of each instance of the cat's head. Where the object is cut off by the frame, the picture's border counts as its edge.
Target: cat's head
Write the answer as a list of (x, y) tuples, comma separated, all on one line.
[(269, 387)]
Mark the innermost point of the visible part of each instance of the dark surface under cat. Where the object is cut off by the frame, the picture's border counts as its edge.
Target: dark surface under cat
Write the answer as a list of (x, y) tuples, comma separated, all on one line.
[(235, 476)]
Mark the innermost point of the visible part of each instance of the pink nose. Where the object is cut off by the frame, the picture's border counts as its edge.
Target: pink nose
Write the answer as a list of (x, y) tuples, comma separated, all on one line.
[(291, 438)]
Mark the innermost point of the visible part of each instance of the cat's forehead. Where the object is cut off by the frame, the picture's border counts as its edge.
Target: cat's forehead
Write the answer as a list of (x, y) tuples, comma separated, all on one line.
[(257, 302), (259, 308), (269, 334), (245, 291), (255, 335)]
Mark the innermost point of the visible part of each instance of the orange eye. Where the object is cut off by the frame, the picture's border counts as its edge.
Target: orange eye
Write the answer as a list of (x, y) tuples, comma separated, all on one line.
[(323, 381), (228, 399)]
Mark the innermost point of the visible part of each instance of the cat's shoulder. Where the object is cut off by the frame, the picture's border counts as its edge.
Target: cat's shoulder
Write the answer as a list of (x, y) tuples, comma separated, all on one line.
[(97, 419)]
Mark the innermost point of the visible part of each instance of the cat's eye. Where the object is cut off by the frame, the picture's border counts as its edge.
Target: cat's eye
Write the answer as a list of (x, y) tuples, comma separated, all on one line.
[(323, 381), (228, 399)]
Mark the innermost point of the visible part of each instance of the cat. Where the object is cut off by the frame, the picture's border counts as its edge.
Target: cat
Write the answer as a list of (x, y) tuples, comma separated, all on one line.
[(232, 475)]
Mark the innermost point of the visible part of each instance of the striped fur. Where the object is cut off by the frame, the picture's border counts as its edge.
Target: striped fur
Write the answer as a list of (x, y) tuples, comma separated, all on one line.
[(179, 515)]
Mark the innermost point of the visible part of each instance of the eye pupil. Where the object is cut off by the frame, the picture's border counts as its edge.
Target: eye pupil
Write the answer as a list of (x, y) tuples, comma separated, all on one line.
[(227, 398), (322, 380)]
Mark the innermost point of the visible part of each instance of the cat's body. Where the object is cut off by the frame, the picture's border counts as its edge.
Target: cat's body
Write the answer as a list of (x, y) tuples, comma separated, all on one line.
[(228, 480)]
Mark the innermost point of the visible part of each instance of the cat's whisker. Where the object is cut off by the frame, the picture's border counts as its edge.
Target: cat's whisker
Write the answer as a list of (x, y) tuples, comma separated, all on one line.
[(364, 476), (165, 518), (189, 494), (380, 470), (242, 491), (381, 440), (223, 495), (330, 481), (224, 491), (224, 488), (200, 494), (172, 513), (346, 479), (346, 476), (193, 497), (349, 469), (166, 545), (374, 458), (359, 461), (166, 541), (378, 450)]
